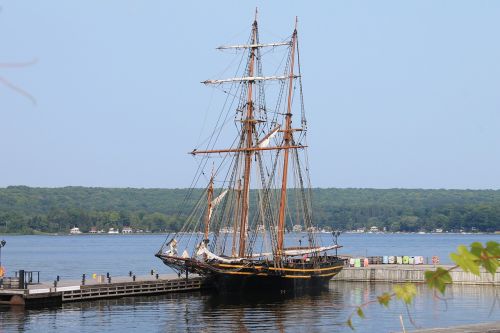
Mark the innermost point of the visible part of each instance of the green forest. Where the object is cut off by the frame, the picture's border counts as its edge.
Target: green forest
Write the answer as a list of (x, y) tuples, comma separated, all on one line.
[(30, 210)]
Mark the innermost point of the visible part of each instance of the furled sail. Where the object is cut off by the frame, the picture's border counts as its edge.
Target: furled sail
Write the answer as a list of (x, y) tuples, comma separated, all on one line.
[(298, 252), (215, 202), (173, 248), (265, 141), (202, 250)]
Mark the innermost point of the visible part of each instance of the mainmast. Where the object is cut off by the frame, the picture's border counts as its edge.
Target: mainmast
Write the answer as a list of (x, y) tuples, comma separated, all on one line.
[(249, 128), (287, 140)]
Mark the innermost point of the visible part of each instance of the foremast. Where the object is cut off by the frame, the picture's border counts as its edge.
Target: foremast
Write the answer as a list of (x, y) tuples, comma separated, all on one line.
[(249, 129), (287, 139)]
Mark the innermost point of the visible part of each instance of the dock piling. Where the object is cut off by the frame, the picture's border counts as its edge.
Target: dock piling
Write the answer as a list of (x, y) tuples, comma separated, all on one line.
[(21, 279)]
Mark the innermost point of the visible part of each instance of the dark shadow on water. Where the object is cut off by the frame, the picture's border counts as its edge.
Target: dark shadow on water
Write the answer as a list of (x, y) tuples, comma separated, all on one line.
[(245, 299)]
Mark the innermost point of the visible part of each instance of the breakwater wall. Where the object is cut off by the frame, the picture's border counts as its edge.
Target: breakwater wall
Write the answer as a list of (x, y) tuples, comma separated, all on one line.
[(411, 273)]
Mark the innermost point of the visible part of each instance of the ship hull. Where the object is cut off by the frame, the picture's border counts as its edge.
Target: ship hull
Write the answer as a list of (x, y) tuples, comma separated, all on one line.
[(262, 275), (273, 283)]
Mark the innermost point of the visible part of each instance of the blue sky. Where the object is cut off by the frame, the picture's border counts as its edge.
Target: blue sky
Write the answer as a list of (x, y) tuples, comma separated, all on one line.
[(398, 93)]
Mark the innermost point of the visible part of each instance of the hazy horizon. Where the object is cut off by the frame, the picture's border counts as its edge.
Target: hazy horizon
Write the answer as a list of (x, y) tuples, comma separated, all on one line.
[(314, 187), (397, 94)]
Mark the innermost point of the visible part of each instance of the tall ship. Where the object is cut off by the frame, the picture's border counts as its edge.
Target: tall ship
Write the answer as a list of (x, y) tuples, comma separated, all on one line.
[(256, 188)]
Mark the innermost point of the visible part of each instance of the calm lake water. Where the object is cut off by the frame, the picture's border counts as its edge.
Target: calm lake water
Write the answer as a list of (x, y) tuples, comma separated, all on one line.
[(70, 256)]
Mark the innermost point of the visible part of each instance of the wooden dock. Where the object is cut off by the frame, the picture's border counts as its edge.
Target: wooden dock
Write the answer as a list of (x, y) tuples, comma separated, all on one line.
[(493, 327), (45, 294), (411, 273)]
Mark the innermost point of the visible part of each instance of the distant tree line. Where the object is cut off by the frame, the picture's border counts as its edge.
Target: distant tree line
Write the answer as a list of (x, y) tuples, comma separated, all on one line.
[(52, 210)]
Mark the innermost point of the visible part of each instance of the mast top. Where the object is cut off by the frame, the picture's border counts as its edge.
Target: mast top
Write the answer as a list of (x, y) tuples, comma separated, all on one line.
[(256, 13)]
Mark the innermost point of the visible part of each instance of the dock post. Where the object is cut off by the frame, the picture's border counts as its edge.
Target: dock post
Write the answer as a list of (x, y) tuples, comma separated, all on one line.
[(83, 279), (133, 278), (109, 279), (21, 279), (55, 283), (157, 276)]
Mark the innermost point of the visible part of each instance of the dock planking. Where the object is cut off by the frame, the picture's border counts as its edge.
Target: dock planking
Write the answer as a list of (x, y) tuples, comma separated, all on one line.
[(46, 294)]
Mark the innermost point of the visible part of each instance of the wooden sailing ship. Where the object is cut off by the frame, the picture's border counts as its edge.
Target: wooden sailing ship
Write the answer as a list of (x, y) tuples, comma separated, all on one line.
[(235, 234)]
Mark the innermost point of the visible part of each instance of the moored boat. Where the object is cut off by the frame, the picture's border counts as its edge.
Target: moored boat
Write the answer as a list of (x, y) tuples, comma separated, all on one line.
[(235, 234)]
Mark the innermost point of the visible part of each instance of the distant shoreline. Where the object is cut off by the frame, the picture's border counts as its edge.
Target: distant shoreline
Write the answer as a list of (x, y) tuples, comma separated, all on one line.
[(169, 233), (28, 210)]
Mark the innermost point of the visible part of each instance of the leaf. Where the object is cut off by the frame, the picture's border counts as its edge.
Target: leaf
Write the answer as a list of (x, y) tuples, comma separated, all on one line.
[(491, 265), (489, 257), (384, 299), (466, 260), (360, 313), (349, 324), (476, 249), (438, 279), (406, 292), (493, 248)]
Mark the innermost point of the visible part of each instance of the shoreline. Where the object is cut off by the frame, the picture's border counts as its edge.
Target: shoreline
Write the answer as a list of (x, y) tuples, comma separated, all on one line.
[(326, 233)]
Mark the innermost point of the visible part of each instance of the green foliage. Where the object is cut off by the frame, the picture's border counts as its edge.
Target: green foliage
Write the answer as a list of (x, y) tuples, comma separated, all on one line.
[(405, 292), (492, 251), (408, 210), (478, 256), (349, 324), (384, 299), (470, 261), (438, 279), (360, 312), (25, 209), (466, 260)]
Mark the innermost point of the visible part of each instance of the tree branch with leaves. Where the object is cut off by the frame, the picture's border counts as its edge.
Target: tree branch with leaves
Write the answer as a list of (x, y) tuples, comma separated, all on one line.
[(470, 260)]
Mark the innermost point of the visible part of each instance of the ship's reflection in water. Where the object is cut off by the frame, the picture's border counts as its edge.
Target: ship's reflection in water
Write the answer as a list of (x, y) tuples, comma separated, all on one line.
[(319, 311), (274, 311)]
